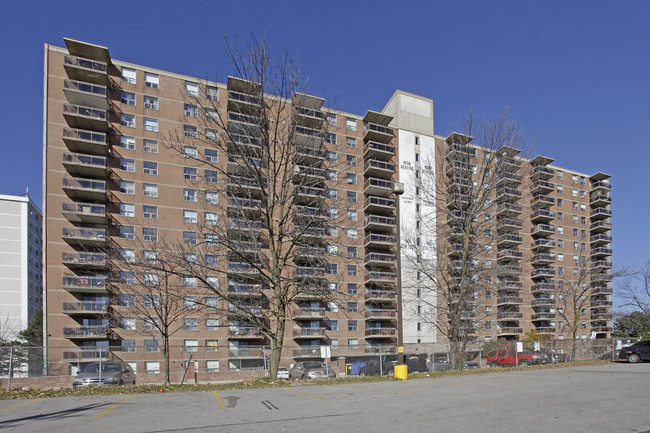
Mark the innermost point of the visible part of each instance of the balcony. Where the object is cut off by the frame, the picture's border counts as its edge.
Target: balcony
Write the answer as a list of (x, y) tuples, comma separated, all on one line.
[(509, 330), (83, 332), (543, 172), (380, 314), (245, 352), (78, 164), (601, 328), (509, 223), (84, 189), (600, 213), (245, 204), (381, 332), (543, 258), (378, 348), (602, 291), (509, 315), (86, 94), (543, 316), (243, 103), (306, 313), (600, 303), (542, 216), (243, 224), (600, 265), (543, 244), (380, 223), (89, 354), (601, 316), (311, 233), (598, 240), (307, 352), (84, 236), (306, 155), (83, 260), (543, 272), (309, 175), (244, 289), (87, 70), (243, 268), (600, 226), (542, 302), (601, 252), (311, 293), (380, 259), (379, 205), (316, 272), (309, 253), (78, 116), (81, 284), (459, 151), (375, 132), (505, 239), (375, 240), (243, 145), (308, 137), (310, 213), (378, 187), (509, 254), (85, 307), (600, 200), (88, 142), (299, 332), (509, 269), (244, 124), (381, 278), (459, 169), (310, 195), (380, 151), (380, 295), (508, 209), (543, 187), (543, 288), (247, 185), (604, 185), (380, 169), (542, 201), (509, 300), (543, 230), (508, 179), (244, 333), (545, 329), (509, 284), (84, 212)]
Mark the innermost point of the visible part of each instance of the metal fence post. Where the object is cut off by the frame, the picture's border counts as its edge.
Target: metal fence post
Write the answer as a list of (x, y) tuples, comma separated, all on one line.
[(100, 366), (11, 366)]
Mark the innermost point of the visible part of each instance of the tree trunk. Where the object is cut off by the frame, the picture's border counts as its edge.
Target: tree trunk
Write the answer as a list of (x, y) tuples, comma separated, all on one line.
[(276, 351), (456, 355), (166, 359)]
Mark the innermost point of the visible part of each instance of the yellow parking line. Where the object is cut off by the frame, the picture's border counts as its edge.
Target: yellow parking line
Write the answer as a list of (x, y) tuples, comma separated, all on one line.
[(21, 404), (113, 407), (383, 389), (221, 405), (304, 393)]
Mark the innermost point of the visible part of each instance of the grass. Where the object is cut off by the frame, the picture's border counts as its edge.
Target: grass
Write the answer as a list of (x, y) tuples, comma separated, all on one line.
[(20, 394)]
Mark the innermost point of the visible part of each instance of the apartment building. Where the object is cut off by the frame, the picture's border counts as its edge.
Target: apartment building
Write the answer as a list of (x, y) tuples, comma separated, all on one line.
[(113, 183), (21, 264)]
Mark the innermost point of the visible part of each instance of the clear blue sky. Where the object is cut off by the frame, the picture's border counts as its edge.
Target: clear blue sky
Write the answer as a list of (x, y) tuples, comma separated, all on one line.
[(576, 74)]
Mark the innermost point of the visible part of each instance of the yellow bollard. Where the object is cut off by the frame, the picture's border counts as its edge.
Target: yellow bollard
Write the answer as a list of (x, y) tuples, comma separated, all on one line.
[(401, 371)]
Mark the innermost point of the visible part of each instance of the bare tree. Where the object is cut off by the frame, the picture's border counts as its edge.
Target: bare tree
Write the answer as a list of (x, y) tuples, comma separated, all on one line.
[(460, 193), (634, 288)]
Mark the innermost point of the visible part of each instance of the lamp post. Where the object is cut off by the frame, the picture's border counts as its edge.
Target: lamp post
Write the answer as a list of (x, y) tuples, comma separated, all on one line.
[(398, 190)]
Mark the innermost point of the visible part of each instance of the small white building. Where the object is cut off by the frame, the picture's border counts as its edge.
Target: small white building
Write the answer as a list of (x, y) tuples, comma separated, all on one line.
[(21, 263)]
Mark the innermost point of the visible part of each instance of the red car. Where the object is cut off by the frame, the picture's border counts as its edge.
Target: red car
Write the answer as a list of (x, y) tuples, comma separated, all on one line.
[(507, 357)]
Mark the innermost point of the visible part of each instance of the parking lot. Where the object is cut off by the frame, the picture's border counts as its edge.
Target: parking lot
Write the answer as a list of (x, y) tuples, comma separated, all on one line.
[(607, 398)]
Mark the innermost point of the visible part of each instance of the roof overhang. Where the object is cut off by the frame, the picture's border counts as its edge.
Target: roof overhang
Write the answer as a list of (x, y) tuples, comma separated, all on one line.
[(87, 51)]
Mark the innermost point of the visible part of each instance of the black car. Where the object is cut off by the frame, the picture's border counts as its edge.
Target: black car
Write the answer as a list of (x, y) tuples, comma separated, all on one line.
[(374, 368), (637, 352)]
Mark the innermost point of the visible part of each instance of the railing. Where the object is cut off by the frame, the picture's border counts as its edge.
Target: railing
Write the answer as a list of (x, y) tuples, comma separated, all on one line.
[(378, 201), (317, 192), (80, 134), (601, 184), (244, 331), (243, 268), (380, 183), (85, 87), (508, 191), (381, 257), (243, 97), (381, 332), (78, 110), (308, 312), (547, 243), (84, 307), (84, 233), (245, 352), (308, 332), (381, 276), (84, 184), (85, 63), (388, 295), (244, 202), (98, 331), (310, 211), (373, 163), (600, 211), (372, 219), (509, 253), (541, 302), (244, 118), (377, 128), (241, 223), (509, 300), (540, 169), (544, 213), (548, 271), (509, 207), (302, 111), (76, 282), (84, 208), (86, 160), (381, 147), (310, 271), (80, 258), (373, 237), (509, 330), (244, 289), (381, 313)]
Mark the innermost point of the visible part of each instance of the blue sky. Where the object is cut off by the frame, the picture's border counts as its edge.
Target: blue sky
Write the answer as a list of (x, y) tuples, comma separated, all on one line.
[(575, 74)]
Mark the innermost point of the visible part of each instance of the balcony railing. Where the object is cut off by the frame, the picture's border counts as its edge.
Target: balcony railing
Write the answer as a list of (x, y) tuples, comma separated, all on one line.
[(372, 220), (308, 332), (308, 312), (600, 212), (380, 295), (84, 184), (86, 212), (377, 313), (381, 277), (84, 307), (509, 330), (544, 272), (84, 283), (80, 140), (379, 150), (87, 64), (84, 162), (84, 234), (83, 259), (245, 331), (310, 271), (381, 332), (85, 331), (380, 258)]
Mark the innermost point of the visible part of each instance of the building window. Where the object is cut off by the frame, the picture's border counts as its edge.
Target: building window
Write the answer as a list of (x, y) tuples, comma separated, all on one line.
[(212, 324), (352, 288), (150, 256), (331, 156), (351, 124), (352, 214), (191, 131), (331, 231), (152, 367), (211, 197), (127, 98), (191, 152), (212, 93), (127, 187), (211, 155), (352, 233), (190, 195), (150, 190), (352, 325), (128, 346), (352, 197), (560, 189), (211, 261), (150, 146), (151, 80), (127, 120), (150, 234), (151, 346), (189, 173), (211, 219), (191, 345), (351, 142), (351, 178), (331, 138), (352, 252), (190, 216), (332, 325), (127, 142), (150, 124), (189, 238), (212, 366), (151, 102), (150, 212), (332, 268), (127, 232), (127, 209), (127, 165), (191, 324), (352, 270), (351, 160), (128, 75), (332, 249), (211, 135), (331, 175), (331, 119), (191, 110), (211, 176), (127, 323), (191, 89)]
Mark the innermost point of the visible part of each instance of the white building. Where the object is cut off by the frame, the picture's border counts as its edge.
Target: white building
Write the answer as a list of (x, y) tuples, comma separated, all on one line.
[(21, 263)]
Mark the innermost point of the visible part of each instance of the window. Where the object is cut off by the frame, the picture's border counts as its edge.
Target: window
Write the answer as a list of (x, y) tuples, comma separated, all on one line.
[(332, 268), (191, 345), (211, 135), (583, 207), (191, 152), (560, 230), (353, 233), (560, 257), (127, 187), (574, 178), (351, 160), (151, 346), (210, 176), (211, 218), (150, 124), (127, 255), (127, 165), (351, 178), (352, 214), (190, 195), (211, 366), (331, 175), (352, 288), (560, 216), (190, 259), (150, 324), (350, 124), (331, 119), (190, 216), (353, 343), (151, 80), (560, 189), (212, 93), (212, 325), (560, 175), (127, 209), (576, 232), (331, 156), (352, 252), (332, 193), (211, 155), (575, 246), (560, 202), (189, 302), (211, 261), (332, 287), (127, 300), (560, 243), (332, 249), (150, 279), (352, 197), (128, 346), (150, 234), (150, 212), (211, 197), (560, 270), (189, 173), (332, 307), (150, 146), (191, 110), (332, 325), (352, 325), (127, 232), (332, 212), (127, 323), (191, 324), (191, 89), (189, 238), (351, 142), (331, 231), (151, 102), (331, 138), (128, 75), (152, 367), (127, 142), (150, 190), (127, 120), (150, 256)]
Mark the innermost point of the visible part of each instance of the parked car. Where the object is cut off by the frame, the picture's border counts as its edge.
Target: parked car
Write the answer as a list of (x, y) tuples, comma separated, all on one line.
[(444, 365), (637, 352), (283, 373), (510, 357), (310, 370), (112, 373), (374, 368)]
